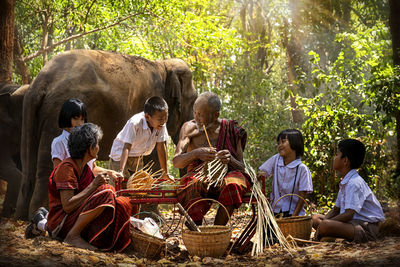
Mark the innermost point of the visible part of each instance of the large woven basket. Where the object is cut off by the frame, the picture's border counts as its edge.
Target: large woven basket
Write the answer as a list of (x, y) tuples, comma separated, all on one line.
[(297, 226), (212, 241), (146, 245)]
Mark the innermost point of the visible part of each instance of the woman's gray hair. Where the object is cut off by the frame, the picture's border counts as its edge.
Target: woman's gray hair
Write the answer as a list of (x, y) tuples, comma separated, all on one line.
[(83, 137)]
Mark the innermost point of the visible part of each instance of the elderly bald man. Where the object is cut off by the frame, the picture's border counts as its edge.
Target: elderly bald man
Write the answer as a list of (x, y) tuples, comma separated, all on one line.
[(228, 140)]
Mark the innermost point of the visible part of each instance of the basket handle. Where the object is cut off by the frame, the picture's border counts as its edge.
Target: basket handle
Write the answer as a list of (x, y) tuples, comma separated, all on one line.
[(209, 199), (292, 194)]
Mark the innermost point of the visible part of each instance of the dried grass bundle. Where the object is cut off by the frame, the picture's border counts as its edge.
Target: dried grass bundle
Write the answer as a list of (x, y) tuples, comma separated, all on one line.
[(266, 223)]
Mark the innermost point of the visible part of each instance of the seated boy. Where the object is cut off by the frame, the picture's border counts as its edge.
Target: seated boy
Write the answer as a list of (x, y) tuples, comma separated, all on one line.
[(357, 212), (141, 133)]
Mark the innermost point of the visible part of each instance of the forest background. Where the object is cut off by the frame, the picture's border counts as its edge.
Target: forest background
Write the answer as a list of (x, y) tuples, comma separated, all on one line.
[(326, 67)]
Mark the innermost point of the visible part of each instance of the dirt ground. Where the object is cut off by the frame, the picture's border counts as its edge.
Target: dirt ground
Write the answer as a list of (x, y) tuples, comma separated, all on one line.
[(15, 250)]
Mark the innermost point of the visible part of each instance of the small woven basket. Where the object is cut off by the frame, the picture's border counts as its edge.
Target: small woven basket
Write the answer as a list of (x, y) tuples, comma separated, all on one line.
[(212, 241), (297, 226), (146, 245)]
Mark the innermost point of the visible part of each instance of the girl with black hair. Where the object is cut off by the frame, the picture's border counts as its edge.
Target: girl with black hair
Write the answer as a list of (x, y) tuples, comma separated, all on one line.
[(290, 175), (72, 114)]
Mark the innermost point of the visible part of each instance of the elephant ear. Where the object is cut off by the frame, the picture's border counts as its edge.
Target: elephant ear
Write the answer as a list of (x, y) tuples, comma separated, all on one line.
[(6, 90), (173, 92)]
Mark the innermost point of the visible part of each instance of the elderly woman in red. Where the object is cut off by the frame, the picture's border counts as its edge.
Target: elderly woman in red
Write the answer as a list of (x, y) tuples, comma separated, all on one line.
[(84, 211)]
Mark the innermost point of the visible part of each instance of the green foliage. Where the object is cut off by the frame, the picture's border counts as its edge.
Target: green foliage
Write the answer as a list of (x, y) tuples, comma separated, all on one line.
[(341, 110), (325, 203), (255, 100), (238, 49), (63, 19), (171, 152)]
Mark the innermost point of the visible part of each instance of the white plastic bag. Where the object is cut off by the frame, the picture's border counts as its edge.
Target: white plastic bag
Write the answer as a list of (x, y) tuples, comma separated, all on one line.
[(148, 226), (137, 223)]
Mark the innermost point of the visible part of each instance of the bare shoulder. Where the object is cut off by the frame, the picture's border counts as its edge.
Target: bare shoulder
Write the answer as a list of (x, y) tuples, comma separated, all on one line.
[(189, 125), (188, 128)]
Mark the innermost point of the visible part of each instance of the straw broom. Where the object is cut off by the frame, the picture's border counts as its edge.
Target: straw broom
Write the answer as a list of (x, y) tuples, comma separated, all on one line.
[(265, 219)]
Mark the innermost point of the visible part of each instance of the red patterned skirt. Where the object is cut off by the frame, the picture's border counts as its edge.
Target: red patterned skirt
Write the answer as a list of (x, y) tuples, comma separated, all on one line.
[(229, 194), (110, 230)]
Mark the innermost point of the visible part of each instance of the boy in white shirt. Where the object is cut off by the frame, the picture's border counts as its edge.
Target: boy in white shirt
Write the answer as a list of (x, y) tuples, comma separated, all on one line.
[(142, 132), (357, 212)]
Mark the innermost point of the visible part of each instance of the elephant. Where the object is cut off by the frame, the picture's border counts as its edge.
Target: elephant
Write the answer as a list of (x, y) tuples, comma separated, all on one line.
[(11, 101), (113, 87)]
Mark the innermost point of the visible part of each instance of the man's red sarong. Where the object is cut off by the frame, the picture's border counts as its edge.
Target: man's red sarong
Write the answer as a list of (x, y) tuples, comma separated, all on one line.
[(109, 231), (235, 182)]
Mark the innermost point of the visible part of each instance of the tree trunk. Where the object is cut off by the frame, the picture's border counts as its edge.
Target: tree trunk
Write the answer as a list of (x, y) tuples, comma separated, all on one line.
[(293, 51), (346, 5), (6, 39), (45, 35), (19, 61), (394, 22)]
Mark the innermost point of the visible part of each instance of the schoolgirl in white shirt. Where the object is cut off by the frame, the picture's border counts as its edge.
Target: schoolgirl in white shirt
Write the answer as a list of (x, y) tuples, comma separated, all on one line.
[(290, 175), (72, 114)]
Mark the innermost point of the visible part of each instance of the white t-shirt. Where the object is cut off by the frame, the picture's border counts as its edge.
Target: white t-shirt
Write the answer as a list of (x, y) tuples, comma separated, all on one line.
[(137, 133), (355, 194), (283, 180), (59, 148)]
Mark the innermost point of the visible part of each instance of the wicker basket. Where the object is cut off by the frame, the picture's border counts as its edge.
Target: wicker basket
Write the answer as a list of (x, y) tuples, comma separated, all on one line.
[(146, 245), (212, 241), (297, 226)]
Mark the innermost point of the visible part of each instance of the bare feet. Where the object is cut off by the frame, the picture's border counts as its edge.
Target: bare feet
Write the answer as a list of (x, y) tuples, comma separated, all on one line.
[(77, 241)]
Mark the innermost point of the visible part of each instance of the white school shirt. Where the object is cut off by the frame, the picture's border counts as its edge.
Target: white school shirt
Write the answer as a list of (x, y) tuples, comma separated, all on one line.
[(283, 180), (355, 194), (137, 133), (59, 148)]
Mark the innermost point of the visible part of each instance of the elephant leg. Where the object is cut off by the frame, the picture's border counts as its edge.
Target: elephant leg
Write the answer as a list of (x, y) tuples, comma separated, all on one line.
[(13, 176), (10, 200), (24, 196), (40, 197), (44, 168)]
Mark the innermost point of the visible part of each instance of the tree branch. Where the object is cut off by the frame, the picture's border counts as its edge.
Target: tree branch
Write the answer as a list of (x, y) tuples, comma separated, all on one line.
[(76, 36), (87, 13), (356, 13)]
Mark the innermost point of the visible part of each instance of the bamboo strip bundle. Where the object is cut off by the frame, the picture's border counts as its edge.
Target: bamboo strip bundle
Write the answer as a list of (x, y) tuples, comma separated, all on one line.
[(212, 172), (266, 223), (144, 179)]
